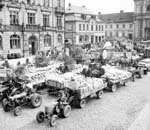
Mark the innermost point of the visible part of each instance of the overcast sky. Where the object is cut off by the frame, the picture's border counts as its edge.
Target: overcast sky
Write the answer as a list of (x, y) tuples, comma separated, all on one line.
[(105, 6)]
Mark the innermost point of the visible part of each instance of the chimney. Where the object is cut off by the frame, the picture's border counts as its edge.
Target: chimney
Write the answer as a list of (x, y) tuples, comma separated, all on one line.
[(121, 11), (99, 13)]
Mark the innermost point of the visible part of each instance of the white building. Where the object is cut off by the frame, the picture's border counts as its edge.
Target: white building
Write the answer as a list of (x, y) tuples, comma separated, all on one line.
[(28, 26), (118, 25), (83, 26)]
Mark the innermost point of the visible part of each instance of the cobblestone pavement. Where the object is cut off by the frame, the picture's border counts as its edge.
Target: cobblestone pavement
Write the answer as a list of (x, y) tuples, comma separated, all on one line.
[(115, 111)]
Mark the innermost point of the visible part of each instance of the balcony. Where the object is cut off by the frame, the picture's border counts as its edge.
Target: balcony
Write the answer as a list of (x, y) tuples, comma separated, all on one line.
[(59, 10), (10, 28), (48, 28), (32, 28)]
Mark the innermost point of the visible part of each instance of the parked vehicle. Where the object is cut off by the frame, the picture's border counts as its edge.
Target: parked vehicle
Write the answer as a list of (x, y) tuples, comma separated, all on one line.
[(60, 109), (27, 97), (10, 88)]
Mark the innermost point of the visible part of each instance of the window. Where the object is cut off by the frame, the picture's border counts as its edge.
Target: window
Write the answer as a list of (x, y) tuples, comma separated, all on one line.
[(110, 34), (83, 27), (59, 38), (80, 28), (96, 28), (117, 25), (15, 41), (99, 27), (47, 40), (105, 26), (123, 34), (45, 19), (111, 26), (130, 25), (99, 38), (86, 38), (46, 2), (14, 18), (102, 28), (59, 3), (59, 21), (80, 38), (31, 18), (92, 27), (93, 17), (1, 43), (83, 16), (87, 27), (28, 1), (117, 34), (123, 25)]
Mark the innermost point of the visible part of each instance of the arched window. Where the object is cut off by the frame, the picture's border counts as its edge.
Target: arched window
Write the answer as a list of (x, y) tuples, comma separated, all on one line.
[(148, 7), (1, 43), (47, 40), (59, 38), (14, 41)]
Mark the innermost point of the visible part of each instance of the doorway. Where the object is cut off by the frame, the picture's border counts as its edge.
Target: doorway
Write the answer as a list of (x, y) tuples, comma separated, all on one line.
[(32, 45)]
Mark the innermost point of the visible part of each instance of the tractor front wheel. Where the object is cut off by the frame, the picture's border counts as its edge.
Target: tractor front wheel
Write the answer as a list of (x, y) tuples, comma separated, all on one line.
[(17, 111), (53, 120), (40, 117)]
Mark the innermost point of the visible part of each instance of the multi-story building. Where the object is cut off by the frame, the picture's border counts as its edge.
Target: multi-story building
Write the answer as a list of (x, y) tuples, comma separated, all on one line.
[(118, 25), (28, 26), (82, 26), (142, 19)]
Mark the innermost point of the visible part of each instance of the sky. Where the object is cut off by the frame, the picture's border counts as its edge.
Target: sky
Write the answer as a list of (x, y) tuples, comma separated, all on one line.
[(104, 6)]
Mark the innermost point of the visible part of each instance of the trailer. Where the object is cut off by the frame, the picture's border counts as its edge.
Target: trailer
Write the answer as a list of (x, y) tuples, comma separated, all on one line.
[(78, 88), (115, 77)]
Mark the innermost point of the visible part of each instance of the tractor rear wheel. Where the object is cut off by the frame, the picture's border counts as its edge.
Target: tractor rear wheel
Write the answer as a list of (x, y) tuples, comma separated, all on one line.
[(36, 100), (7, 107), (66, 111)]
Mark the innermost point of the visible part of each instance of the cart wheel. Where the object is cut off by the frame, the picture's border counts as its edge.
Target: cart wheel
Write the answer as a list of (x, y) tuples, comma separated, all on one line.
[(36, 100), (82, 103), (66, 111), (100, 94), (7, 107), (40, 117), (114, 88), (4, 101), (17, 111), (53, 120)]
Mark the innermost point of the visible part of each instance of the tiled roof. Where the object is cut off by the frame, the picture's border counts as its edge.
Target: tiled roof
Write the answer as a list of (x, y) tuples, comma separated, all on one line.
[(79, 10), (117, 17)]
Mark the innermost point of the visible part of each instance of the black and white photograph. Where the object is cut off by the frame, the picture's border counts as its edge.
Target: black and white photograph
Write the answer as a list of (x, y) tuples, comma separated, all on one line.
[(74, 64)]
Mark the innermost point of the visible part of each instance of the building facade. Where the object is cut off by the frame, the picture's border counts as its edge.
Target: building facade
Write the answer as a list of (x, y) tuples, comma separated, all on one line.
[(118, 25), (142, 19), (82, 26), (28, 26)]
